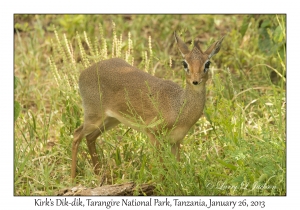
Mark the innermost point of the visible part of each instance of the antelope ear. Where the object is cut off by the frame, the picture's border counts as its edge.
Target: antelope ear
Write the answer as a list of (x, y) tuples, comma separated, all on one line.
[(183, 48), (214, 48)]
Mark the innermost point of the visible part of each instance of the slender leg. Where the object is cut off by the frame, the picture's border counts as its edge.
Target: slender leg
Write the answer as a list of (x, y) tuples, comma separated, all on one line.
[(153, 139), (156, 143), (175, 150), (91, 140), (91, 143), (78, 136)]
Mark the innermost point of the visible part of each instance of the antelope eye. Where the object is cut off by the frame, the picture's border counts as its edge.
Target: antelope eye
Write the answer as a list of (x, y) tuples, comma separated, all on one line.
[(207, 64), (184, 64)]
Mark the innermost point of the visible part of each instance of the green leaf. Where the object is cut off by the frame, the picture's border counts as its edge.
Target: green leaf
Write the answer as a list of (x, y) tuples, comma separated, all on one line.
[(16, 82), (263, 177), (238, 179), (264, 41), (265, 24), (141, 173), (21, 26), (217, 174), (228, 165), (17, 110), (245, 25), (118, 157), (278, 34), (240, 162)]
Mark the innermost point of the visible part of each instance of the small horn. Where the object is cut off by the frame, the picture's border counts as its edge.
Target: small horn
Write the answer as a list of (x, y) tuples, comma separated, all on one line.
[(197, 45)]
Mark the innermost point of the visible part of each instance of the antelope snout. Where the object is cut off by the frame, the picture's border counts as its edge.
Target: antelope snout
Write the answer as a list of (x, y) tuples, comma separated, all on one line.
[(197, 82)]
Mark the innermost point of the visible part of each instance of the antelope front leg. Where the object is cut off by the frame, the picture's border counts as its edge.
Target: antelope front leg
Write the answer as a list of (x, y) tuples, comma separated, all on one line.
[(176, 150)]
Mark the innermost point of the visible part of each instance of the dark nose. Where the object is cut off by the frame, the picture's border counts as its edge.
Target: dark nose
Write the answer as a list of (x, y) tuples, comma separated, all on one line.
[(195, 83)]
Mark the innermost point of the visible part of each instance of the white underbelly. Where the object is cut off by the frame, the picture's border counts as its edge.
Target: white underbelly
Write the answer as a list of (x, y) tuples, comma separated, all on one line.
[(173, 136)]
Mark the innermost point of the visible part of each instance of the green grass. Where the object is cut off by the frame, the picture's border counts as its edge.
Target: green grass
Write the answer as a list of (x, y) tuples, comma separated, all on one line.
[(237, 148)]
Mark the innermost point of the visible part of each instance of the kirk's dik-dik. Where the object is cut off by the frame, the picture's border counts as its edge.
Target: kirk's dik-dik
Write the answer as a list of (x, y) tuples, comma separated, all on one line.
[(115, 92)]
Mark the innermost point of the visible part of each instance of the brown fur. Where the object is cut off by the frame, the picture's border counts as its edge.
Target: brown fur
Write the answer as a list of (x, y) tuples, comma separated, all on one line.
[(115, 92)]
